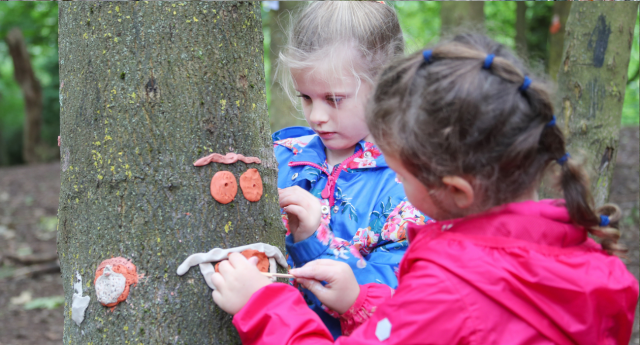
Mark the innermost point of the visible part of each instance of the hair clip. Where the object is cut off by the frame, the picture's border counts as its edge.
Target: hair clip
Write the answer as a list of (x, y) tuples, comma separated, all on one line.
[(552, 122), (525, 84), (563, 159), (604, 220), (488, 61), (426, 54)]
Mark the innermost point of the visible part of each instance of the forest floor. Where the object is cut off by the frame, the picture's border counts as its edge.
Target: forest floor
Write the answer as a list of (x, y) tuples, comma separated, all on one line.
[(31, 290)]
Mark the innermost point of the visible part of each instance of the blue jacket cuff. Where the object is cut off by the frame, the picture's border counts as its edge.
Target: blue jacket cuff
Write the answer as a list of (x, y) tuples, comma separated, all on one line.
[(306, 250)]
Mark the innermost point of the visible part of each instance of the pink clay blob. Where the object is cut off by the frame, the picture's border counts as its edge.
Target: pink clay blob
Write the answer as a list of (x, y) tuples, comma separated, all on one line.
[(224, 187)]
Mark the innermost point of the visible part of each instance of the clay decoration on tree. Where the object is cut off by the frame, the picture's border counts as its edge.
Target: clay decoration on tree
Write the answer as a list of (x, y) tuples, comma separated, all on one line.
[(229, 158), (224, 187), (113, 278), (204, 260), (251, 185)]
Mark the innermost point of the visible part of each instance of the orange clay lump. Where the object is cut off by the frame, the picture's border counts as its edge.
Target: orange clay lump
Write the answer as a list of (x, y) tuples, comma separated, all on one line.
[(263, 260), (224, 187), (112, 281), (251, 185)]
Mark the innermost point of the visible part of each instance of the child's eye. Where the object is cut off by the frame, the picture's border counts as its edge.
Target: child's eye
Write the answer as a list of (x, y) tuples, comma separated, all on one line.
[(335, 100), (304, 97)]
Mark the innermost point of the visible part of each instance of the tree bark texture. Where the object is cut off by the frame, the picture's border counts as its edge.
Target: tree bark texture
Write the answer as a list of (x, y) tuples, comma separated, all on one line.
[(591, 85), (461, 15), (521, 28), (30, 86), (148, 88), (282, 112), (556, 37)]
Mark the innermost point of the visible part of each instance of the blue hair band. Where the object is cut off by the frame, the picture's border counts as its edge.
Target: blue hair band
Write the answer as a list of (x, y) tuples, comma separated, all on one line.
[(525, 84), (488, 61), (427, 55), (552, 122), (604, 220), (563, 159)]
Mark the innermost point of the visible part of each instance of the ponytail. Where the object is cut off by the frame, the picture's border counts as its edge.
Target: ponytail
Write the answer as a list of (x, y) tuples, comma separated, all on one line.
[(601, 223)]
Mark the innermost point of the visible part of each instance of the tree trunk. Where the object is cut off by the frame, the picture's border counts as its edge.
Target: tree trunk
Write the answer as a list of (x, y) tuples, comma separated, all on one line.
[(556, 38), (461, 15), (591, 85), (26, 78), (148, 88), (521, 28), (282, 112)]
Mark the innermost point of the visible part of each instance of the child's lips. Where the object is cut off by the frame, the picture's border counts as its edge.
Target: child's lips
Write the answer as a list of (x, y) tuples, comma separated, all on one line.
[(325, 135)]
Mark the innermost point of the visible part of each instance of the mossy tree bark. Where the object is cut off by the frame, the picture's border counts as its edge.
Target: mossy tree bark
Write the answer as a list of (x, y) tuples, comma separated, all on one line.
[(591, 84), (556, 38), (148, 88), (282, 112), (457, 16)]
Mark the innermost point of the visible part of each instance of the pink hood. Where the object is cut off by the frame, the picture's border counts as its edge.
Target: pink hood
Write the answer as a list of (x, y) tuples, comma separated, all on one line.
[(530, 260)]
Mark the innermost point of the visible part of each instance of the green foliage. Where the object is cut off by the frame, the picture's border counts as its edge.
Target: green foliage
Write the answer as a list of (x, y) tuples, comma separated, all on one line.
[(38, 22), (420, 23), (631, 110), (52, 302)]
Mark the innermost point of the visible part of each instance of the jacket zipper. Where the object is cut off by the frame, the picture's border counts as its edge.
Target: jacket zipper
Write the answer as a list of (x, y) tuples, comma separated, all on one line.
[(329, 188)]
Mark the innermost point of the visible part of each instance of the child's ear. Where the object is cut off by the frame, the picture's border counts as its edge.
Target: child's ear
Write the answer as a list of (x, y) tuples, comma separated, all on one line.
[(461, 191)]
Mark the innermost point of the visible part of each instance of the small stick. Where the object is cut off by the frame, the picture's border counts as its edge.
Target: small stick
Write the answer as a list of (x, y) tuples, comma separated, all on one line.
[(277, 275)]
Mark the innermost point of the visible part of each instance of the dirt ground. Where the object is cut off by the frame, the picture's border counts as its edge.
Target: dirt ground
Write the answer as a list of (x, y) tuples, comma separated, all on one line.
[(28, 207)]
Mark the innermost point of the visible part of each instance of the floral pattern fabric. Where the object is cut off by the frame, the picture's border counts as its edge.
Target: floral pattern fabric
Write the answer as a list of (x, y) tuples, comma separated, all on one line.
[(365, 226)]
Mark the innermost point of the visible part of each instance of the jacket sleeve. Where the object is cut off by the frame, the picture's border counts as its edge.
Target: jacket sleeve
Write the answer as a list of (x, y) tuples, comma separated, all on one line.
[(371, 296), (425, 307)]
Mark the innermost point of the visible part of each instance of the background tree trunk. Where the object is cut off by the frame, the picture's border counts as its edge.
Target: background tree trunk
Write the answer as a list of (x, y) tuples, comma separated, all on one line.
[(460, 15), (521, 28), (591, 85), (26, 78), (282, 112), (150, 87), (556, 38)]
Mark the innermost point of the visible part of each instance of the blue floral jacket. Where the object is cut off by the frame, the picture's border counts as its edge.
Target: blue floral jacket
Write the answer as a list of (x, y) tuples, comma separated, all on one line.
[(364, 211)]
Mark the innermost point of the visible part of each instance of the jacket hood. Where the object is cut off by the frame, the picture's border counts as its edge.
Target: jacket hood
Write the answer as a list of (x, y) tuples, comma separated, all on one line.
[(529, 258)]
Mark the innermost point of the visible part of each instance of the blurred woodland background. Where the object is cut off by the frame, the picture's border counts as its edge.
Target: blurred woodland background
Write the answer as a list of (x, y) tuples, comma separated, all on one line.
[(30, 284)]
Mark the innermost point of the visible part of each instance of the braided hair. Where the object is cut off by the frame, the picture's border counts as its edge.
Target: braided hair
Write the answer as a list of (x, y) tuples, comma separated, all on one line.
[(469, 107)]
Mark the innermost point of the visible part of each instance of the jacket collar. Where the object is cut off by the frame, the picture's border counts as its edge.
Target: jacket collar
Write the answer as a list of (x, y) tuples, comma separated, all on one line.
[(544, 222)]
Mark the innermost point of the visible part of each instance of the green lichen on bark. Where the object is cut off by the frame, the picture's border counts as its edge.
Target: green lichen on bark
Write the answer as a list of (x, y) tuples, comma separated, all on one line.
[(591, 85), (147, 89)]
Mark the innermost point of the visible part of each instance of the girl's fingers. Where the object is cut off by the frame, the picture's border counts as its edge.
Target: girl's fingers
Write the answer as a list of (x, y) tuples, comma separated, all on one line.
[(237, 260), (225, 268), (217, 280), (296, 210), (314, 286), (253, 260), (317, 270), (217, 297)]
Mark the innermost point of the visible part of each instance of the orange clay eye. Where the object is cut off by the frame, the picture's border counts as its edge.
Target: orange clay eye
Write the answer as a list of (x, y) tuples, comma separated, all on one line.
[(251, 185), (224, 187)]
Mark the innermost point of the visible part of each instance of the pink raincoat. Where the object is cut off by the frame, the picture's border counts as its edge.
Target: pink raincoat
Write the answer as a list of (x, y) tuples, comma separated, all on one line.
[(520, 274)]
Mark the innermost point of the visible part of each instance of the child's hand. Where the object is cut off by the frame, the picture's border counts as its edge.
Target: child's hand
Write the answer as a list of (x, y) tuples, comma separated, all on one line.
[(238, 279), (341, 290), (303, 209)]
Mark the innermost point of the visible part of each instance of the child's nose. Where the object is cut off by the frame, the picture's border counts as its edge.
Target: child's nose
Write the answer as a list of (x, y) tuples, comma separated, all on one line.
[(318, 115)]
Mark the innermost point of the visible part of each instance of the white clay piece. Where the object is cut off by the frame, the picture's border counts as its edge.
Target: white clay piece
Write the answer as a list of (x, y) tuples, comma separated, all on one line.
[(109, 286), (79, 303), (204, 260)]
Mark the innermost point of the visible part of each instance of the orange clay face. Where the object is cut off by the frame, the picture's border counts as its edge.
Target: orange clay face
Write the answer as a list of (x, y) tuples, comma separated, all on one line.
[(112, 281), (251, 185), (224, 187)]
